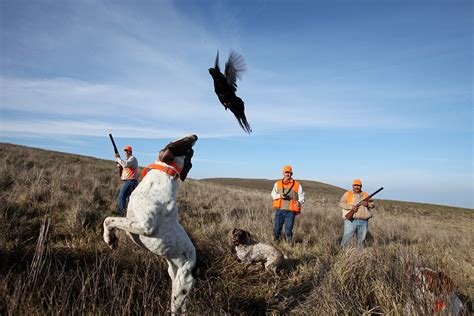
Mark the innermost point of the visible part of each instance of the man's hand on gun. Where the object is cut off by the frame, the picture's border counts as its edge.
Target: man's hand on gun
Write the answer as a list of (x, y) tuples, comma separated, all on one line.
[(364, 203), (286, 197)]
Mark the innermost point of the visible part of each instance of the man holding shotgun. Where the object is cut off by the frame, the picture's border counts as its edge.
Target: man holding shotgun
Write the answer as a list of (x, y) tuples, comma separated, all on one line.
[(355, 206), (129, 178)]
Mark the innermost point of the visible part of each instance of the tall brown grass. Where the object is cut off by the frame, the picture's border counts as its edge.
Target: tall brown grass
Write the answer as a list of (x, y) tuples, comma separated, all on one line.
[(53, 259)]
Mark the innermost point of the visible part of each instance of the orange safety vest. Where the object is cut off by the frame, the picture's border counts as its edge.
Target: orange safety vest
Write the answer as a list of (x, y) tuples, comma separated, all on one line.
[(350, 196), (291, 188)]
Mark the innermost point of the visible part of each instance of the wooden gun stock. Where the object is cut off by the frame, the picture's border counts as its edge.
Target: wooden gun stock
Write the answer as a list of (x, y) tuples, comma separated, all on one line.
[(351, 213)]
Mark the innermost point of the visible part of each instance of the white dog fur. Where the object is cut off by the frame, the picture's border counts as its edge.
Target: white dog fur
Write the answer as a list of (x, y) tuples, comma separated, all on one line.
[(250, 251), (152, 222)]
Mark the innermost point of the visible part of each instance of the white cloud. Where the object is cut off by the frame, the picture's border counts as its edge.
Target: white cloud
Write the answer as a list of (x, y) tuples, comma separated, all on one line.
[(158, 59), (101, 128), (70, 106)]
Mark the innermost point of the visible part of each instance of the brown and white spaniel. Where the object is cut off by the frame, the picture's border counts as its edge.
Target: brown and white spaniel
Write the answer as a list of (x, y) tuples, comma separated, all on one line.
[(250, 251), (438, 288)]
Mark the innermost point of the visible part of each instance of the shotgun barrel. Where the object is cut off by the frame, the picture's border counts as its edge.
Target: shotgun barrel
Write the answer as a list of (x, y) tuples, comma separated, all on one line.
[(116, 152), (350, 214), (113, 143)]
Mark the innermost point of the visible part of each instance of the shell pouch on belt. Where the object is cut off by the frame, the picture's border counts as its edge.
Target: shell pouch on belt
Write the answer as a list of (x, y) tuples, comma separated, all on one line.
[(277, 203), (294, 206)]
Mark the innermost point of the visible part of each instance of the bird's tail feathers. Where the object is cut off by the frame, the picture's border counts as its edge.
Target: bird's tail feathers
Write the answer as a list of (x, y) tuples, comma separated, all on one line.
[(237, 107), (243, 123)]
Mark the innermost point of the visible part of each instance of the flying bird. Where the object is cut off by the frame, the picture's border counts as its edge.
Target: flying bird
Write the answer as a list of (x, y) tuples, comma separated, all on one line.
[(225, 87)]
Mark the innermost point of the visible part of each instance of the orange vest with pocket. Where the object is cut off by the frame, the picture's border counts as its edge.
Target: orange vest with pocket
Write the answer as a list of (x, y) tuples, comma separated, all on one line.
[(291, 188), (350, 196)]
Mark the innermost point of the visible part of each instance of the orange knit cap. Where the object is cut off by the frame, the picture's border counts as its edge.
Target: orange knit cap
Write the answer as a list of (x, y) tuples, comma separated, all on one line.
[(128, 148), (287, 169), (357, 182)]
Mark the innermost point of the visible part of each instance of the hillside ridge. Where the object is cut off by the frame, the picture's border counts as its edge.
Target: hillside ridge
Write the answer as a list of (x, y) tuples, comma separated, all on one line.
[(310, 186)]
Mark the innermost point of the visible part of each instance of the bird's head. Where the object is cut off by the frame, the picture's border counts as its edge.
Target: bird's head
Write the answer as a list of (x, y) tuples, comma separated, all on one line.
[(213, 72)]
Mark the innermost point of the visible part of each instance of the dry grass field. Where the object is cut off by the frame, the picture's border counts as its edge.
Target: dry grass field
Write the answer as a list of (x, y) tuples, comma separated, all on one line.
[(54, 261)]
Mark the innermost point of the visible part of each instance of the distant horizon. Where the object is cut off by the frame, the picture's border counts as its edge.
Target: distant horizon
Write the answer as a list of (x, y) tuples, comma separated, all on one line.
[(246, 178)]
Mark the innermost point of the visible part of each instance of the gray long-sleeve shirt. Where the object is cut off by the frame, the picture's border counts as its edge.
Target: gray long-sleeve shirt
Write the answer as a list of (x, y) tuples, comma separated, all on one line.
[(130, 168)]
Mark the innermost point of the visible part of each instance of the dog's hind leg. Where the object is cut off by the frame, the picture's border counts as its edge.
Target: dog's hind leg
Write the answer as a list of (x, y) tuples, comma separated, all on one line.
[(172, 269), (272, 267), (182, 284)]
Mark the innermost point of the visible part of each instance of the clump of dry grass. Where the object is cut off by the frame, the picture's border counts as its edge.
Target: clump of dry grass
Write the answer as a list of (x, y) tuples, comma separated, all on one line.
[(54, 259)]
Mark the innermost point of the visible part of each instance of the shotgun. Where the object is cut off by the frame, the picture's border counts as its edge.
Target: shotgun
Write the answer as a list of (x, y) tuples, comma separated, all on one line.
[(350, 214), (116, 152)]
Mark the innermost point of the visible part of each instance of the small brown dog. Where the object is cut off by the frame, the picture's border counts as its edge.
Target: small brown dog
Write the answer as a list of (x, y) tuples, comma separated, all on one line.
[(250, 251)]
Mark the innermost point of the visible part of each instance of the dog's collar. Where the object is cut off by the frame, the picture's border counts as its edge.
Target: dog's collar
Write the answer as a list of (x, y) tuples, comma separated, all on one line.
[(172, 169)]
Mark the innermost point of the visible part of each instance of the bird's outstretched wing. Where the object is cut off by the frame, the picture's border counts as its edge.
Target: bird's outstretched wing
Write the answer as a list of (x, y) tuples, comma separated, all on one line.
[(216, 64), (234, 66)]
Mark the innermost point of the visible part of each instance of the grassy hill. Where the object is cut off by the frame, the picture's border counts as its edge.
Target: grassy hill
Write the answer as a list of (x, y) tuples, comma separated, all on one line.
[(313, 188), (326, 193), (53, 258)]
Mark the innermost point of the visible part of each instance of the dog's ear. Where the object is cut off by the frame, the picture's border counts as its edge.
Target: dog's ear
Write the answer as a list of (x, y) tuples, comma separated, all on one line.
[(187, 165), (166, 155), (233, 231), (182, 146), (247, 235)]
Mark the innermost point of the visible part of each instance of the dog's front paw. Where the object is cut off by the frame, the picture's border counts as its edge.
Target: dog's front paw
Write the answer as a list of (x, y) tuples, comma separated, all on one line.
[(111, 240)]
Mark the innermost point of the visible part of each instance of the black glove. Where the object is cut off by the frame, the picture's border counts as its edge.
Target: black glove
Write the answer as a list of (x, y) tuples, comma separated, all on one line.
[(286, 197)]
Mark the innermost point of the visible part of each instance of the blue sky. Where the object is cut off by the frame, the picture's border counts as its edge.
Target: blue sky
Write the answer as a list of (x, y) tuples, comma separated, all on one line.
[(377, 90)]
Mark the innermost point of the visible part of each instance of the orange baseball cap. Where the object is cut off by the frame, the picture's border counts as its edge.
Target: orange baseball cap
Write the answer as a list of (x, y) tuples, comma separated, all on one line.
[(287, 169), (127, 148), (357, 182)]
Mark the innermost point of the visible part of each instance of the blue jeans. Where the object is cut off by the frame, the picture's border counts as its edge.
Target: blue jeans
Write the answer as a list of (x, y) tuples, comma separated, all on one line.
[(125, 191), (359, 225), (284, 217)]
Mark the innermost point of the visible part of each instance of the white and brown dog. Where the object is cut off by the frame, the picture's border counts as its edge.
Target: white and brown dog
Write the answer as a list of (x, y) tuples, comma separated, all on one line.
[(152, 218), (438, 288), (250, 251)]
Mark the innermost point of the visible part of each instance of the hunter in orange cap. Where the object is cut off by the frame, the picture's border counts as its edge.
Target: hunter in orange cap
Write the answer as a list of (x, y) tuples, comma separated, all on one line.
[(287, 169), (129, 176), (359, 221), (288, 196)]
